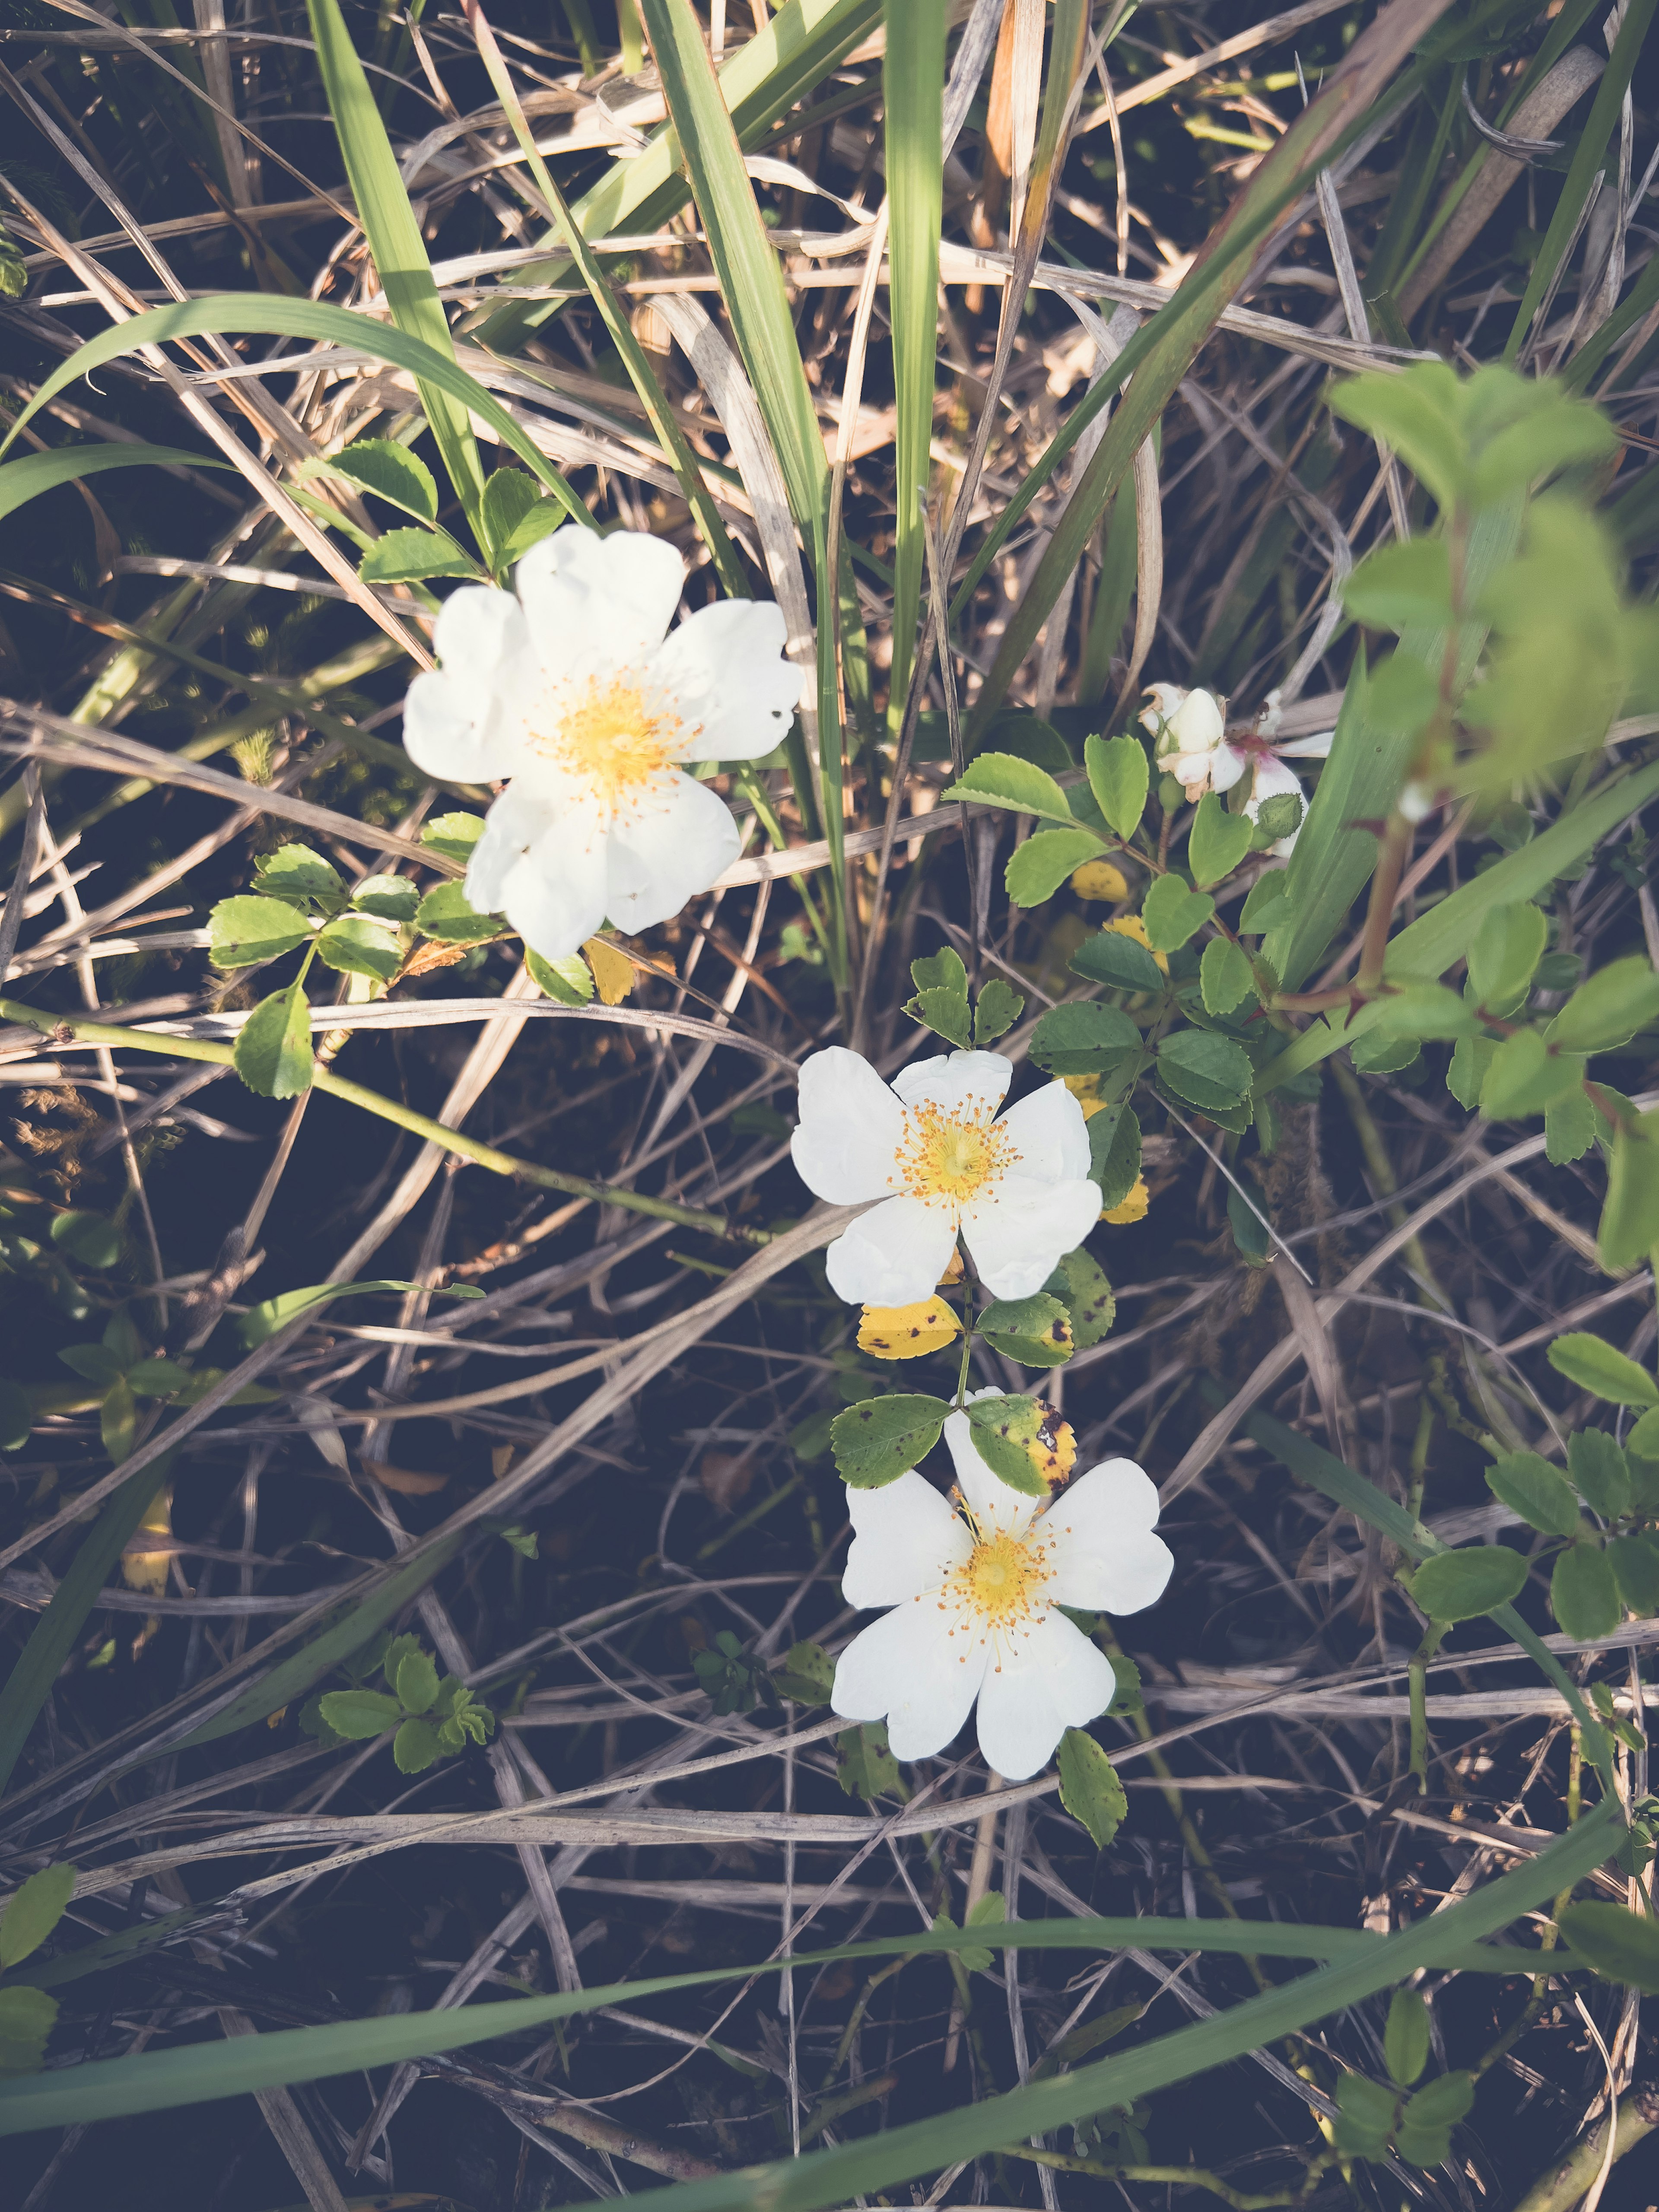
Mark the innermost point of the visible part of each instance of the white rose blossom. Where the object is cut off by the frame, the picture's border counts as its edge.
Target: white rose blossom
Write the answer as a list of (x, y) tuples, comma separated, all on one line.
[(975, 1596), (573, 689), (1192, 746), (931, 1148)]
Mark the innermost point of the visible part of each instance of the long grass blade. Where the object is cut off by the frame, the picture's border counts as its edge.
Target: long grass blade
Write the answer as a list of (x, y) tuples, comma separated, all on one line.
[(24, 480), (394, 239)]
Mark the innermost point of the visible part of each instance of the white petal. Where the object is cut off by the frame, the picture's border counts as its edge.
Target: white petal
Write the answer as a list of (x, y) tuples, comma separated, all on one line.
[(543, 866), (1039, 1684), (665, 847), (1226, 766), (994, 1503), (1316, 748), (1272, 780), (974, 1083), (909, 1669), (594, 603), (849, 1131), (906, 1540), (1051, 1135), (460, 722), (724, 671), (893, 1256), (1101, 1545), (1018, 1230)]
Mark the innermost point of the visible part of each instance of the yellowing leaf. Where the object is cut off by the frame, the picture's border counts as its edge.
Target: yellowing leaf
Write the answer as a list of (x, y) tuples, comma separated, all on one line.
[(1133, 1208), (147, 1570), (1131, 926), (1086, 1089), (908, 1332), (1100, 881), (613, 971)]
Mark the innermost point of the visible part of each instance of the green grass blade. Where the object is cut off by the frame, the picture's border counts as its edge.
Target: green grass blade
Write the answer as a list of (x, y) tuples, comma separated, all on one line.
[(1362, 1963), (394, 238), (1428, 946), (728, 564), (1587, 159), (52, 1637), (235, 313), (22, 481), (913, 84)]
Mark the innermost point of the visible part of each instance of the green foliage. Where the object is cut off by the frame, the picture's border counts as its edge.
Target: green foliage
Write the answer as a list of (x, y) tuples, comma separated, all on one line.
[(1406, 2038), (1008, 1437), (297, 876), (1584, 1592), (879, 1439), (1601, 1473), (432, 1718), (444, 913), (807, 1675), (1216, 843), (263, 1320), (941, 1002), (1110, 956), (1630, 1219), (403, 557), (1595, 1365), (1004, 779), (733, 1679), (1206, 1069), (1113, 1154), (26, 2019), (1607, 1009), (360, 944), (1531, 1487), (91, 1238), (1118, 776), (1461, 1585), (1037, 868), (242, 932), (1173, 912), (33, 1910), (1036, 1331), (1224, 976), (865, 1766), (1089, 1787), (1080, 1284), (1504, 955), (569, 981), (1084, 1039), (453, 834), (1620, 1945), (388, 470), (272, 1052)]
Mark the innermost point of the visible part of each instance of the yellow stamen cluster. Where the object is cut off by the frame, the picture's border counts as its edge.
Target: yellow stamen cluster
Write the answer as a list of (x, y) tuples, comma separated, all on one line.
[(908, 1332), (949, 1156), (1002, 1581), (609, 736)]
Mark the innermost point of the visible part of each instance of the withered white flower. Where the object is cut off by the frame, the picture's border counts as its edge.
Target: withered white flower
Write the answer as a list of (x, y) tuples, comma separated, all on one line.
[(930, 1146), (574, 689), (1192, 745), (975, 1593)]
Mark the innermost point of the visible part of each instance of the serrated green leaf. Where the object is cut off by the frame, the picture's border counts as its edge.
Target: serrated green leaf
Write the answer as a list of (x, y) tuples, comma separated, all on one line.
[(1570, 1126), (1366, 2114), (1594, 1364), (1635, 1570), (1172, 912), (357, 1715), (272, 1052), (1607, 1008), (1079, 1283), (1420, 1011), (1216, 843), (1003, 779), (1462, 1585), (1419, 413), (393, 898), (360, 944), (91, 1238), (1113, 1154), (940, 971), (418, 1745), (946, 1013), (27, 2019), (1584, 1593), (1530, 1486), (1200, 1061), (570, 981), (1524, 1075), (1036, 1331), (400, 557), (1504, 955), (416, 1682), (1402, 587), (865, 1766), (1037, 868), (1224, 978), (1118, 776), (879, 1439), (1629, 1227), (508, 496), (302, 878), (1089, 1787), (1006, 1435), (242, 932), (998, 1008), (1110, 956), (445, 913), (1085, 1039), (387, 469), (538, 522), (453, 834), (1269, 905), (1600, 1472)]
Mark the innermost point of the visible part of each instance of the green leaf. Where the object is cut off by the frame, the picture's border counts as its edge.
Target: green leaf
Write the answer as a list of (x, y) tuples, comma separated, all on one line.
[(1584, 1593), (360, 944), (1007, 1434), (243, 930), (946, 1013), (393, 898), (302, 878), (1216, 843), (1366, 2111), (387, 469), (96, 1361), (16, 1420), (1570, 1128), (1620, 1945), (1607, 1008), (1461, 1585), (1037, 868), (1027, 736), (359, 1713), (23, 480), (1224, 976), (1110, 956), (1085, 1039), (27, 2018), (416, 1682), (1113, 1154), (444, 913), (1635, 1570), (1419, 1011), (940, 971), (32, 1911), (1118, 775), (539, 521), (394, 237), (865, 1766), (1172, 912), (453, 834), (272, 1052), (263, 1321), (1524, 1075), (1004, 779), (807, 1675), (1269, 905), (569, 981), (1429, 2116), (1080, 1284), (1249, 1228), (1419, 413), (1406, 2038), (1629, 1227), (998, 1008), (508, 496), (91, 1238), (879, 1439), (158, 1379), (1089, 1787), (1531, 1487), (416, 1746), (1203, 1067), (1036, 1331), (1594, 1364), (401, 556), (1601, 1473), (1504, 955), (1402, 586)]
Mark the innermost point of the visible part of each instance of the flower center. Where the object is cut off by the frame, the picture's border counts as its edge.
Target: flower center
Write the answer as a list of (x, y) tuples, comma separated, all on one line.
[(951, 1156), (1004, 1578), (612, 739)]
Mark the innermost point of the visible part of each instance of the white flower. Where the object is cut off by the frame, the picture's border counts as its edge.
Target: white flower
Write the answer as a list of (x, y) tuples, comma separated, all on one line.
[(1192, 747), (975, 1597), (574, 690), (931, 1148)]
